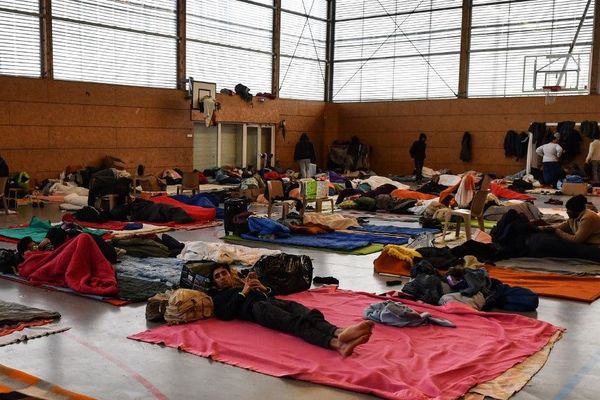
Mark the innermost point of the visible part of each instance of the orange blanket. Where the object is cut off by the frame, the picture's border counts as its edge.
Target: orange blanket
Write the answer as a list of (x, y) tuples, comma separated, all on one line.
[(14, 382), (579, 288), (411, 194)]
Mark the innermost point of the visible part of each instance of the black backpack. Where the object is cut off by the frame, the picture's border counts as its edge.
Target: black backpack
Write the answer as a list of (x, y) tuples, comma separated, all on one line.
[(285, 273), (244, 92), (9, 259)]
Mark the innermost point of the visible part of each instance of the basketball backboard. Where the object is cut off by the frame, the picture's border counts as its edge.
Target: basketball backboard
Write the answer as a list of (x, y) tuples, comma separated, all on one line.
[(564, 70), (200, 90)]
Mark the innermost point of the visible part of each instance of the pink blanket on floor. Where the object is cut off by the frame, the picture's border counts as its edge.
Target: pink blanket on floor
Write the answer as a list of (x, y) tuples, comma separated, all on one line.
[(426, 362)]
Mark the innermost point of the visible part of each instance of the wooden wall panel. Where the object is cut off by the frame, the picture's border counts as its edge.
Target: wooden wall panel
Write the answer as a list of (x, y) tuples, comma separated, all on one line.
[(4, 113), (23, 89), (24, 137), (391, 127), (47, 125)]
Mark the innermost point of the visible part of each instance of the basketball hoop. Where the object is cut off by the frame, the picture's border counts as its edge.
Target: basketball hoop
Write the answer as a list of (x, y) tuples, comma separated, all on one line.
[(550, 93)]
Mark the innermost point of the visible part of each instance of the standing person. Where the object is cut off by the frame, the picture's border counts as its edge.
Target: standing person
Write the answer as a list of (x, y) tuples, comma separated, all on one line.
[(4, 173), (593, 158), (304, 154), (417, 153), (550, 153), (251, 301)]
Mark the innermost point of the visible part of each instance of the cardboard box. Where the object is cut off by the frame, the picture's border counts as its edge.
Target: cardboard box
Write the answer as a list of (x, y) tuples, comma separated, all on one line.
[(196, 275), (573, 189)]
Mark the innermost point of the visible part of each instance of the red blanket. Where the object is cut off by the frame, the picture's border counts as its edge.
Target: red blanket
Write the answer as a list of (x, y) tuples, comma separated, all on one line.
[(426, 362), (196, 212), (78, 264), (505, 193), (119, 225)]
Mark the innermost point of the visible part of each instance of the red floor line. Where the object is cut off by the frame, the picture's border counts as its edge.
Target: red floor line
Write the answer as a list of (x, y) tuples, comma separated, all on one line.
[(135, 375)]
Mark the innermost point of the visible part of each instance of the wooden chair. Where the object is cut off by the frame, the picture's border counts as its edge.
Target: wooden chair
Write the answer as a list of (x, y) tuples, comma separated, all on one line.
[(485, 183), (189, 181), (466, 214), (318, 201), (3, 182), (275, 189), (149, 183)]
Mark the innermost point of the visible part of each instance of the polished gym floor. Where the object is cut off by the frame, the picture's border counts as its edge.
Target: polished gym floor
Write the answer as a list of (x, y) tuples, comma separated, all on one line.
[(95, 358)]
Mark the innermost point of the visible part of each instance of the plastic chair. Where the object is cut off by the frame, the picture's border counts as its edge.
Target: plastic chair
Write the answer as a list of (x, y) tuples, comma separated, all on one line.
[(13, 196), (319, 201), (3, 182), (276, 197), (466, 214), (189, 181)]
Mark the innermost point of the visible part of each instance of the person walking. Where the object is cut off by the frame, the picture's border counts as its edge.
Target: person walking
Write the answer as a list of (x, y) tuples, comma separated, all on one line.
[(551, 153), (593, 158), (417, 153), (304, 154)]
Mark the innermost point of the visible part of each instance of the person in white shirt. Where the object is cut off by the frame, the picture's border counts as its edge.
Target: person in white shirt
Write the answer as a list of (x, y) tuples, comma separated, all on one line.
[(593, 158), (550, 153)]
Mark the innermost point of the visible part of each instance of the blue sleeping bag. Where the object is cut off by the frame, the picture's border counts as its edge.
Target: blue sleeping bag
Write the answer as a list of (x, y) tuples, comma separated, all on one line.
[(396, 230)]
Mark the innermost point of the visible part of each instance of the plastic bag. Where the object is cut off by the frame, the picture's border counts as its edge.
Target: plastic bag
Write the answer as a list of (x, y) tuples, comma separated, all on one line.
[(285, 273)]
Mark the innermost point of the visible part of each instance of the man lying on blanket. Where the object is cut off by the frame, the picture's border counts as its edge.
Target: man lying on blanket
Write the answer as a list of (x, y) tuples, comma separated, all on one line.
[(57, 235), (250, 300)]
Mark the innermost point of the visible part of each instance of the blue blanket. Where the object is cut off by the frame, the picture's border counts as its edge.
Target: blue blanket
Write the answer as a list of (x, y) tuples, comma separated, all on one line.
[(333, 240), (396, 230)]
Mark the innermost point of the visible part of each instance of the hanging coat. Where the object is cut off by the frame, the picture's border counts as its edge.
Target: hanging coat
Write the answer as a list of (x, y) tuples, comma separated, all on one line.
[(465, 151)]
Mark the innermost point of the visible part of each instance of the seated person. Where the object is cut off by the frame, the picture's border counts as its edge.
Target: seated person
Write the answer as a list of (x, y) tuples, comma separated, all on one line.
[(583, 225), (149, 182), (578, 237), (57, 235), (109, 181), (252, 301)]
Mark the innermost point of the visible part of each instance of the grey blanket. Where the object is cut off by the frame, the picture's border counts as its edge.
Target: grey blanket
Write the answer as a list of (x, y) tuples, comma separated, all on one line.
[(167, 270), (13, 313)]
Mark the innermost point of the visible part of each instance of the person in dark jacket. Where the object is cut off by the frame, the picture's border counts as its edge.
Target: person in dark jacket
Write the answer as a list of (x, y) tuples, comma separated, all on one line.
[(304, 154), (58, 235), (417, 153), (254, 302), (4, 173)]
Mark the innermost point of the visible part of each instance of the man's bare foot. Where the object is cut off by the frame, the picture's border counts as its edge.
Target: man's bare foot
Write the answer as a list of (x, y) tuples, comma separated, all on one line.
[(352, 332), (346, 348)]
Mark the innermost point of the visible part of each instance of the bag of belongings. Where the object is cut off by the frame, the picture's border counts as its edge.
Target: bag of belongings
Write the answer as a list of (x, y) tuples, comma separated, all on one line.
[(285, 273), (187, 305), (244, 92), (157, 305)]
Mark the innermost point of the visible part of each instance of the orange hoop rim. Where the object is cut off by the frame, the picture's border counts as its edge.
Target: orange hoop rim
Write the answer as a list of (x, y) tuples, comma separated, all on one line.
[(552, 88)]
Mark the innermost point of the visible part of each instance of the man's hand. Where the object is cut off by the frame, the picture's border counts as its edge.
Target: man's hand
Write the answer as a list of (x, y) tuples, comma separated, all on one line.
[(247, 287), (43, 244)]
